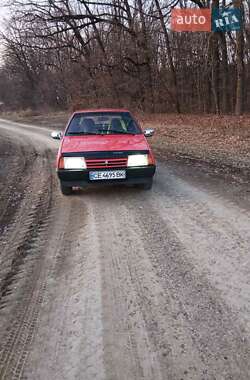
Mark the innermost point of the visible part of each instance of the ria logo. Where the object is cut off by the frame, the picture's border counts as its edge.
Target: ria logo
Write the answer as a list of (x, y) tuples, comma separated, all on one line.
[(205, 20), (225, 20)]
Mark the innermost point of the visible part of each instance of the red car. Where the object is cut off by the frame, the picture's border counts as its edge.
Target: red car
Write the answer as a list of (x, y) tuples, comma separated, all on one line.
[(104, 146)]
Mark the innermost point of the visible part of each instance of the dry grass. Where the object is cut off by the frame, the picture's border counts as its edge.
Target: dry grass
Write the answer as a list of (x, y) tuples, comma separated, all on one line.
[(210, 137)]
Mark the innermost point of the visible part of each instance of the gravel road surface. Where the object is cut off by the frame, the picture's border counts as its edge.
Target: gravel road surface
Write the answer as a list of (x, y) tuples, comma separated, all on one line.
[(116, 283)]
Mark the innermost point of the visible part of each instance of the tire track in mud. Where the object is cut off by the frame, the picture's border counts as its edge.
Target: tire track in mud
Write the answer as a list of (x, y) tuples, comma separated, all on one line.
[(24, 229), (150, 283), (23, 267), (36, 247), (140, 335), (222, 247), (48, 250), (195, 305), (22, 284), (129, 352), (70, 348), (31, 249), (14, 168)]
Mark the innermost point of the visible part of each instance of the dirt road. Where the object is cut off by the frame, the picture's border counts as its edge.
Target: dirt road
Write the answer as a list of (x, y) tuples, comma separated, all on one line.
[(118, 283)]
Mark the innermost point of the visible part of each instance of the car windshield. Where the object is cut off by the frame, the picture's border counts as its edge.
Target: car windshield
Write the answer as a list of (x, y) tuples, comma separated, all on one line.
[(102, 123)]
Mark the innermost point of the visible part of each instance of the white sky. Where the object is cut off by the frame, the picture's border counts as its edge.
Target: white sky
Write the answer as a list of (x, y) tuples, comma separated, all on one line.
[(3, 13)]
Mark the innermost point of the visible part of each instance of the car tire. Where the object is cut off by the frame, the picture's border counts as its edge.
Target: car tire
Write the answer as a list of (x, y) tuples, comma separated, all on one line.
[(66, 190)]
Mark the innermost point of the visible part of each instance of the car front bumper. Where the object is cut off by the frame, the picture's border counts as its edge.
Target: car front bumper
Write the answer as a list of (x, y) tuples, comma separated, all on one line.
[(80, 178)]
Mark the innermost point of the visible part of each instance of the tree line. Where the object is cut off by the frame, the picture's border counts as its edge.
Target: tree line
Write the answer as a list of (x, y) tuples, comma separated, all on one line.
[(70, 53)]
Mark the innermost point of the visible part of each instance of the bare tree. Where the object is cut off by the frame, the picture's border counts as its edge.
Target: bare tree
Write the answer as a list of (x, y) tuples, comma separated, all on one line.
[(239, 63), (64, 53)]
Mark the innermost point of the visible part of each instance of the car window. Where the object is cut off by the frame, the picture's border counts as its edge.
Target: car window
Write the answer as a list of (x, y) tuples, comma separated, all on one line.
[(103, 123)]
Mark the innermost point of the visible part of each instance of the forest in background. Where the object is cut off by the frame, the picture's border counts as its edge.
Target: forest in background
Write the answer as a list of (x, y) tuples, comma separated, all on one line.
[(62, 54)]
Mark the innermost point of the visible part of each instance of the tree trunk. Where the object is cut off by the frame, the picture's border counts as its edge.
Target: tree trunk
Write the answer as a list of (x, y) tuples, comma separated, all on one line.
[(170, 58), (215, 64), (147, 54), (239, 65), (224, 74)]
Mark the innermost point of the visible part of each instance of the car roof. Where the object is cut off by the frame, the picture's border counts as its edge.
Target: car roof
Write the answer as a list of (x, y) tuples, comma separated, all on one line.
[(101, 110)]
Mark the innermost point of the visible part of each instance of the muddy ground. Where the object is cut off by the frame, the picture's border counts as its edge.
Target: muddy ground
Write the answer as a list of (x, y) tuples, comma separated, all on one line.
[(118, 283)]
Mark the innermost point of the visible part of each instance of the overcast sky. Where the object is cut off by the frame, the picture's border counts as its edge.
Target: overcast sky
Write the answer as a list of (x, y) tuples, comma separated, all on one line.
[(3, 14)]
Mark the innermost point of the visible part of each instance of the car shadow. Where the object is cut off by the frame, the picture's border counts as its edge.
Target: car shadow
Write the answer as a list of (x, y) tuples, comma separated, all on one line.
[(107, 190)]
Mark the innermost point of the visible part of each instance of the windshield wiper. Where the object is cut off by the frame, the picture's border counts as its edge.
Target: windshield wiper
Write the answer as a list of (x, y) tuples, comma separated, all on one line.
[(115, 131), (81, 133)]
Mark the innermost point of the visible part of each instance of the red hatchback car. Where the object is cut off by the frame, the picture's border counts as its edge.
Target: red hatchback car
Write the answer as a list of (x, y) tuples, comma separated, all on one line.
[(104, 146)]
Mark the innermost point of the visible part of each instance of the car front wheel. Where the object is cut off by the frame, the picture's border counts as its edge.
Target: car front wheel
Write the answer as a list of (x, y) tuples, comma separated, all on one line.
[(66, 190)]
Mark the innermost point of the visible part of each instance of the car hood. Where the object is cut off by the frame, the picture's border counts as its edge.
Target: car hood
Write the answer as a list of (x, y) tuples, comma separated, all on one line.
[(103, 143)]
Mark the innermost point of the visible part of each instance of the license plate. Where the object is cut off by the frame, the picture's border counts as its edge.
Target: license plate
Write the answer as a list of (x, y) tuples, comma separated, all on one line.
[(105, 175)]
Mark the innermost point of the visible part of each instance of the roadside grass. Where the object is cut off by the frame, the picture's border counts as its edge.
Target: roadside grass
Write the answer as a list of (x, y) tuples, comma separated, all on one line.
[(216, 139)]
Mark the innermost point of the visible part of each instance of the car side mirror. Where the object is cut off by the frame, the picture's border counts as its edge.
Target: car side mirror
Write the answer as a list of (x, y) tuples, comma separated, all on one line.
[(149, 132), (56, 135)]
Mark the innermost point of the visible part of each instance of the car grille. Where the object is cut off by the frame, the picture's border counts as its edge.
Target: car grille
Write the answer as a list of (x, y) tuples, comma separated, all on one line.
[(97, 163)]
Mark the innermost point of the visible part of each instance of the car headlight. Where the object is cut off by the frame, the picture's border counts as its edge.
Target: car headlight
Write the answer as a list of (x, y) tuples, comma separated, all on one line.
[(138, 160), (74, 163)]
